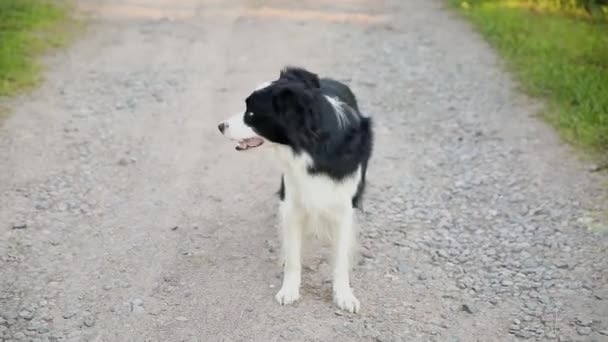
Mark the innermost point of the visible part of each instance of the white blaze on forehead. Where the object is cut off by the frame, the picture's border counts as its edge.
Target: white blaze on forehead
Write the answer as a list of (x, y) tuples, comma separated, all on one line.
[(237, 129), (263, 85)]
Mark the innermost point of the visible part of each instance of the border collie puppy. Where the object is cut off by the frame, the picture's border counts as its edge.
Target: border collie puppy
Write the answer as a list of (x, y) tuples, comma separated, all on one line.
[(323, 144)]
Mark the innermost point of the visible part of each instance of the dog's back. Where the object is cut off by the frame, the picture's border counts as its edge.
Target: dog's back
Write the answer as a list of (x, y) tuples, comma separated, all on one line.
[(340, 90)]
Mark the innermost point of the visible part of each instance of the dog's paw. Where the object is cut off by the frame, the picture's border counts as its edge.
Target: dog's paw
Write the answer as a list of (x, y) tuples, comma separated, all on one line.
[(287, 295), (347, 301)]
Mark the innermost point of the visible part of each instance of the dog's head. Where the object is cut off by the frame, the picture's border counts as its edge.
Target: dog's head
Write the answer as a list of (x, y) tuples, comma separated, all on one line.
[(284, 112)]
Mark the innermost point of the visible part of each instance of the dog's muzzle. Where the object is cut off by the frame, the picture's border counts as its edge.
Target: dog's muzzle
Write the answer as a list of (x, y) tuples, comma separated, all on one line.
[(242, 133)]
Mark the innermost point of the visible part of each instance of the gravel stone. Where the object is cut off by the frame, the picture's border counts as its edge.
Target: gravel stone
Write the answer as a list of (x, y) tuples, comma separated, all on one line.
[(33, 325), (88, 319), (583, 321), (25, 314), (139, 310), (367, 255), (67, 314), (601, 294), (43, 329), (443, 253), (583, 330), (137, 302), (469, 308), (19, 336), (19, 226), (522, 334), (388, 338)]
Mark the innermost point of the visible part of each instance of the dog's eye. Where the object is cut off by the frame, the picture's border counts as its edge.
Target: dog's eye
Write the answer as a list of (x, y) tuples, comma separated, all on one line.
[(249, 113)]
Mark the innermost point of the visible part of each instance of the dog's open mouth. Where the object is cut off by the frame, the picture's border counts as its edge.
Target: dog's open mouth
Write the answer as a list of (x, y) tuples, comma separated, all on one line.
[(249, 143)]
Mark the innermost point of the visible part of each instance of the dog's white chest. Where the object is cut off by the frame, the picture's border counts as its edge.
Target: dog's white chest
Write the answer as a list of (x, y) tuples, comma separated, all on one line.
[(315, 194)]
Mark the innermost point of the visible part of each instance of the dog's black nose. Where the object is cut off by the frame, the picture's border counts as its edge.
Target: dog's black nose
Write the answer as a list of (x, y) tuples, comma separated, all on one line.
[(222, 127)]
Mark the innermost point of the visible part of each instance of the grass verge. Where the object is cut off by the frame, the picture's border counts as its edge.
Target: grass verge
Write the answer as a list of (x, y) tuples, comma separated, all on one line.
[(27, 29), (561, 58)]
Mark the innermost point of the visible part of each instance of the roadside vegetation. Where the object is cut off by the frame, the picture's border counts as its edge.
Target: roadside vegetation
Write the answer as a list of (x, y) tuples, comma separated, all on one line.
[(28, 28), (558, 51)]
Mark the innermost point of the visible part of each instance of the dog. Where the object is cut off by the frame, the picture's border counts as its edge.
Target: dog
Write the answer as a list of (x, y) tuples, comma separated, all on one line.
[(323, 145)]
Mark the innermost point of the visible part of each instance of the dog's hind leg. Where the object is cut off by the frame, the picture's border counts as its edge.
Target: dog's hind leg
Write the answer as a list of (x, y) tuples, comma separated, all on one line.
[(344, 241), (291, 236)]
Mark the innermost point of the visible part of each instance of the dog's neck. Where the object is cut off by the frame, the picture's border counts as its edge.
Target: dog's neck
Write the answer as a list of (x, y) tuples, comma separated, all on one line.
[(289, 161)]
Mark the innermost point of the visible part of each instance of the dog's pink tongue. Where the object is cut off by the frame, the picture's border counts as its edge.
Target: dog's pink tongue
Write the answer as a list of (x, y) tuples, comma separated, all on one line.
[(254, 142), (249, 143)]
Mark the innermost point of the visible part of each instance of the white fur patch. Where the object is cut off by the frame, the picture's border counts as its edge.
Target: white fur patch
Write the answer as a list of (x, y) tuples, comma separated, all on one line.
[(320, 206), (317, 195), (263, 85), (341, 114), (236, 129)]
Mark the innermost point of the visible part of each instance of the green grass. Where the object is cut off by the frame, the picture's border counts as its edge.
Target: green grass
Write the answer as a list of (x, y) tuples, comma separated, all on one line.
[(27, 29), (561, 58)]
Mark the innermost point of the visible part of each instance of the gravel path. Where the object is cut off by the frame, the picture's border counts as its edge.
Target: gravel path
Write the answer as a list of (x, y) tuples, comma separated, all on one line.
[(127, 217)]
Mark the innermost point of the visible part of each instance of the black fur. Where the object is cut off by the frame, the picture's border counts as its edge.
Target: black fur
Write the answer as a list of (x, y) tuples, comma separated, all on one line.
[(294, 111), (282, 189)]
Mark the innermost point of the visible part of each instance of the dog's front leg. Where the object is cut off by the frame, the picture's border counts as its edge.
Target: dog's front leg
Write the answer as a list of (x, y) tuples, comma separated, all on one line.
[(343, 244), (291, 236)]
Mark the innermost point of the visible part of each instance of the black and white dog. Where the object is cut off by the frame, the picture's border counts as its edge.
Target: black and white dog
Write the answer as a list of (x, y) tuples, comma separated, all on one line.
[(323, 144)]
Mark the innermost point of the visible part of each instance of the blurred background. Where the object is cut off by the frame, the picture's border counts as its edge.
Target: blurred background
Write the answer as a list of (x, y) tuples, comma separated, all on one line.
[(557, 49)]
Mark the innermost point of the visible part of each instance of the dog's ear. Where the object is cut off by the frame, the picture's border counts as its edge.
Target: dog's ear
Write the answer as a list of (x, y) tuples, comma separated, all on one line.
[(284, 100), (294, 104), (299, 74)]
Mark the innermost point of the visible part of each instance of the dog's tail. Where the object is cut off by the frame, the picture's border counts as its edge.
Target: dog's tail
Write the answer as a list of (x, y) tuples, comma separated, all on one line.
[(367, 140)]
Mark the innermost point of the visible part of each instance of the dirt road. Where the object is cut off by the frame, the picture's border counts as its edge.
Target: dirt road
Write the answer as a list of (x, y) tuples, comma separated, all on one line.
[(125, 216)]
